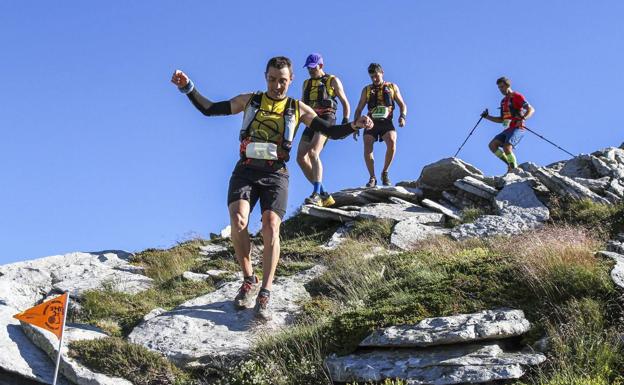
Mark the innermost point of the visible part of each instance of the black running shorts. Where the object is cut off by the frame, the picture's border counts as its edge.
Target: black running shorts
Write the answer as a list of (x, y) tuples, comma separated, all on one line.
[(380, 128), (270, 187)]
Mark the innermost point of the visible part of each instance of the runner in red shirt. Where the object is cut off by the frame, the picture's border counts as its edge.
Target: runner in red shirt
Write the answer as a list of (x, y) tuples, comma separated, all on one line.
[(514, 111)]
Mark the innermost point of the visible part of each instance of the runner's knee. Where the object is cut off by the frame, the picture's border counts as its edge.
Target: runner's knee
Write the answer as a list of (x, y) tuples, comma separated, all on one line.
[(270, 224), (238, 222)]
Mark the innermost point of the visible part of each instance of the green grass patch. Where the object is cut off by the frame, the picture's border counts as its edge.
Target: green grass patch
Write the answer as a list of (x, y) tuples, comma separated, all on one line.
[(604, 218), (117, 313), (540, 272), (163, 265), (375, 230), (118, 358)]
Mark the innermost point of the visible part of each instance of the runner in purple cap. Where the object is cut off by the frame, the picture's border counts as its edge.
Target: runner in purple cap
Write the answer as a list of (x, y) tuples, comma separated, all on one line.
[(320, 93)]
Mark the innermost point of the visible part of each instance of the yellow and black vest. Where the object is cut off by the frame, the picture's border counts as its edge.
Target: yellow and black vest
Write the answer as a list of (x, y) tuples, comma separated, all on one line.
[(382, 95), (320, 95), (269, 127)]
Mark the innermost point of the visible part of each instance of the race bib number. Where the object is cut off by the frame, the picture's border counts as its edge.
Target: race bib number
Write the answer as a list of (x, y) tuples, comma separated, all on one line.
[(266, 151), (380, 112)]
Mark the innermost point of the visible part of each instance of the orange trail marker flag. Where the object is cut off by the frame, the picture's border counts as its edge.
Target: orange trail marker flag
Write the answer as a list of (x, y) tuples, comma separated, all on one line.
[(50, 315)]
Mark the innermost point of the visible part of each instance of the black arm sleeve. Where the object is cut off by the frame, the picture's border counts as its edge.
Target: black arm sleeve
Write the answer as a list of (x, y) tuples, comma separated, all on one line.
[(208, 108), (338, 131)]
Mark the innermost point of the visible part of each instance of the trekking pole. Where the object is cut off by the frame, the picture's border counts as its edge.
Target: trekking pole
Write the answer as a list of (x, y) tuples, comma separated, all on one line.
[(474, 128), (533, 132)]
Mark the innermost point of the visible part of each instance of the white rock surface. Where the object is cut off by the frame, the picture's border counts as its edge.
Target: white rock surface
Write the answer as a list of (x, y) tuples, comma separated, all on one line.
[(197, 277), (518, 208), (399, 211), (212, 249), (69, 367), (19, 355), (338, 237), (441, 175), (485, 325), (329, 213), (461, 364), (409, 231), (440, 208), (476, 187), (617, 274), (22, 284), (208, 330)]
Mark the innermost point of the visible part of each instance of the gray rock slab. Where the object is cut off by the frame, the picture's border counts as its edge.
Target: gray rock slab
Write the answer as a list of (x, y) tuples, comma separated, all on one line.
[(410, 231), (208, 330), (69, 367), (329, 213), (22, 284), (461, 364), (485, 325), (210, 250), (616, 246), (617, 274), (579, 167), (566, 187), (616, 188), (197, 277), (19, 355), (596, 185), (476, 187), (382, 193), (489, 226), (440, 208), (399, 211), (338, 237), (517, 199), (441, 175)]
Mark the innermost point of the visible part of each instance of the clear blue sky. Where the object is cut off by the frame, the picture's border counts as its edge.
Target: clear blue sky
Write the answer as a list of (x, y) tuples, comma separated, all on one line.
[(99, 151)]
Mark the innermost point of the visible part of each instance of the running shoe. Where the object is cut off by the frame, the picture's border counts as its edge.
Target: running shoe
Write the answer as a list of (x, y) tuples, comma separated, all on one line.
[(314, 199), (246, 293), (261, 309), (385, 180), (372, 182), (328, 200)]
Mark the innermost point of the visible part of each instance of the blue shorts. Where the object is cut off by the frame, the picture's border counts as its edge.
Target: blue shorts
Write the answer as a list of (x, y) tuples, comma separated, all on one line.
[(510, 137)]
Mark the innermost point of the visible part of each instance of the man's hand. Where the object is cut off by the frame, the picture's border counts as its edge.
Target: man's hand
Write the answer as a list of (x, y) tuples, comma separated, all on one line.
[(180, 79), (364, 122), (485, 113), (401, 121)]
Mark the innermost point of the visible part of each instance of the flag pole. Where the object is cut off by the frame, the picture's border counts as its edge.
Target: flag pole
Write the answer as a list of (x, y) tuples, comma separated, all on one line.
[(58, 355)]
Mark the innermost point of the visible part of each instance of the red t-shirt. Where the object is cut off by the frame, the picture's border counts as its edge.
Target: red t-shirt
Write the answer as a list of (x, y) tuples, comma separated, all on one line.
[(511, 105)]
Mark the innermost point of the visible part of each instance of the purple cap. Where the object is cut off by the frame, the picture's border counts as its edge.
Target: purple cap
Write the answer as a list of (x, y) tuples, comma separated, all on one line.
[(313, 60)]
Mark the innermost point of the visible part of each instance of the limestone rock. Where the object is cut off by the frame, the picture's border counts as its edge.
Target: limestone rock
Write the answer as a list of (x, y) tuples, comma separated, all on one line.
[(440, 208), (400, 210), (69, 367), (441, 175), (197, 277), (460, 364), (19, 355), (517, 199), (23, 284), (596, 185), (212, 249), (617, 274), (485, 325), (579, 167), (476, 187), (381, 193), (488, 226), (566, 187), (409, 231), (208, 330), (329, 213), (338, 237)]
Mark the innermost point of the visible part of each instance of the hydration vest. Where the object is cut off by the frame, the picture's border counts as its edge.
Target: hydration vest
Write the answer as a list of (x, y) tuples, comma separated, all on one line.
[(382, 95), (268, 130), (320, 95), (509, 113)]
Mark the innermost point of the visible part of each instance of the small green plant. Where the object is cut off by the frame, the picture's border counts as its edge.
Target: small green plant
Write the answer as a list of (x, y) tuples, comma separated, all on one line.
[(101, 307), (118, 358), (163, 265), (375, 230), (601, 218)]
